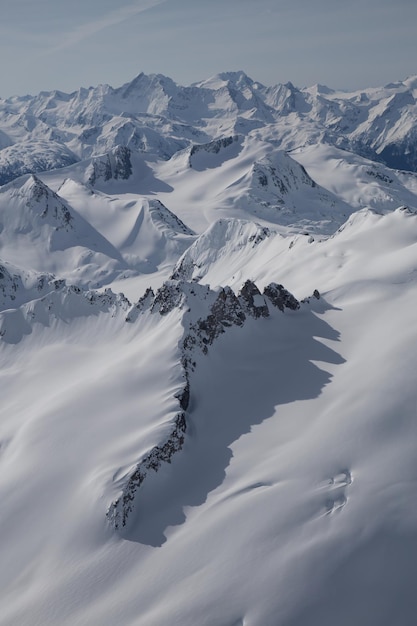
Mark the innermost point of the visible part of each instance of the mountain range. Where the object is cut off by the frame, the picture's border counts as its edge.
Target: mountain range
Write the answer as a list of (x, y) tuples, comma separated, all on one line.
[(207, 348)]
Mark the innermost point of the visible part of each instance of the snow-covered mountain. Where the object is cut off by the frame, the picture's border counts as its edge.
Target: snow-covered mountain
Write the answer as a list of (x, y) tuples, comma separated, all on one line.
[(207, 348), (157, 117)]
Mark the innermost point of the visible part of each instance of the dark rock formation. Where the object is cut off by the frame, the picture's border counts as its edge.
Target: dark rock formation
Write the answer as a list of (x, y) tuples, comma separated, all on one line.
[(226, 310), (214, 146), (167, 298), (280, 297), (116, 164), (120, 510), (144, 302), (252, 300)]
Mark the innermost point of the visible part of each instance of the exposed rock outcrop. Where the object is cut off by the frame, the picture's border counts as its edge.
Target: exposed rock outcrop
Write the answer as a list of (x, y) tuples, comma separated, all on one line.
[(280, 297), (224, 309), (116, 164), (120, 510), (252, 300)]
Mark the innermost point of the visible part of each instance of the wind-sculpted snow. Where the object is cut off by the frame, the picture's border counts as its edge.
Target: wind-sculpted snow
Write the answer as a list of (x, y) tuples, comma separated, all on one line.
[(219, 312)]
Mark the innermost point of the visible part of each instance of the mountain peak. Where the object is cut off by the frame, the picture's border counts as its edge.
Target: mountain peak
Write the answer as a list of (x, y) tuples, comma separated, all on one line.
[(237, 78), (36, 189), (144, 82)]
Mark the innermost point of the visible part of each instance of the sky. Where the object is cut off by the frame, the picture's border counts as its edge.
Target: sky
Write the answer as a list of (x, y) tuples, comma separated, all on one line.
[(55, 44)]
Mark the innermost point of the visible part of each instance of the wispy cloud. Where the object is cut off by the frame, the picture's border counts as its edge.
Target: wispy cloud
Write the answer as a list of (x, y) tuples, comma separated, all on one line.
[(92, 27)]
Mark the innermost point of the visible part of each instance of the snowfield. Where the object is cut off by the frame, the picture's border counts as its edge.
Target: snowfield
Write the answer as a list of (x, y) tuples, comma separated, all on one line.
[(208, 356)]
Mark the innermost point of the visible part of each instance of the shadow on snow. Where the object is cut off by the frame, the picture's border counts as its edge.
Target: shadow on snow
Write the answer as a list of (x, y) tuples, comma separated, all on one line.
[(248, 372)]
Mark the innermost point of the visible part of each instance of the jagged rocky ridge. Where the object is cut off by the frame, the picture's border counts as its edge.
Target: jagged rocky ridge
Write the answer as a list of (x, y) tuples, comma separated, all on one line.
[(219, 311), (55, 299), (18, 287)]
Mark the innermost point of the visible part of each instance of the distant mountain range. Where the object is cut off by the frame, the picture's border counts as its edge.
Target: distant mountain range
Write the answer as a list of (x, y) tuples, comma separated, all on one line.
[(157, 117)]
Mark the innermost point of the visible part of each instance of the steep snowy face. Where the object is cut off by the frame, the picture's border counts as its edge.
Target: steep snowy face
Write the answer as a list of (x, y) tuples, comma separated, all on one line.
[(277, 189), (40, 231), (225, 247), (83, 236)]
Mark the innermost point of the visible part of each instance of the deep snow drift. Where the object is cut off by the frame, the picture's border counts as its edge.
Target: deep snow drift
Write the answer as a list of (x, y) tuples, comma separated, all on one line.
[(207, 350)]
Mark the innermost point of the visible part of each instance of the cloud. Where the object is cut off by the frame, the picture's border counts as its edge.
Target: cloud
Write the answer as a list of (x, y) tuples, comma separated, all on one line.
[(88, 29)]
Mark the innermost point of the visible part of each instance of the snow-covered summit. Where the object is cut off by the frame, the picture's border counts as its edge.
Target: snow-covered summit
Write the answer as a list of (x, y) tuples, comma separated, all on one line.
[(153, 111)]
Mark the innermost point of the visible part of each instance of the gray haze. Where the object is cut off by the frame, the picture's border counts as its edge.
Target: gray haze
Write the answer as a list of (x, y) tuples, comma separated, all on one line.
[(52, 44)]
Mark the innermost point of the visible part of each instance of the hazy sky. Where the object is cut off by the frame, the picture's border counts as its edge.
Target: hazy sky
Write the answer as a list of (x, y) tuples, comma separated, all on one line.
[(57, 44)]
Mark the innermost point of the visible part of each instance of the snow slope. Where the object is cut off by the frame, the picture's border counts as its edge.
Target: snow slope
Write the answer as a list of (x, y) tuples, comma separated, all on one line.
[(231, 440), (300, 437)]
